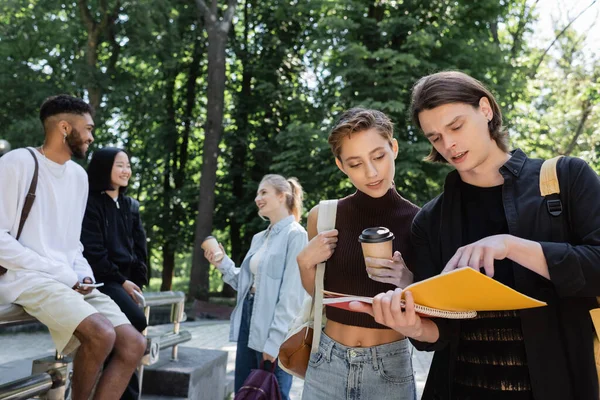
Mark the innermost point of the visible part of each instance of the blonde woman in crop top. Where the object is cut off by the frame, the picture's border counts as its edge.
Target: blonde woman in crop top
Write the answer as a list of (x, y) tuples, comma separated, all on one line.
[(357, 357)]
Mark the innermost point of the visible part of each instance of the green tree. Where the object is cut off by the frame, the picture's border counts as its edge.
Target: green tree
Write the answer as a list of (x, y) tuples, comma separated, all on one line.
[(561, 114), (217, 28)]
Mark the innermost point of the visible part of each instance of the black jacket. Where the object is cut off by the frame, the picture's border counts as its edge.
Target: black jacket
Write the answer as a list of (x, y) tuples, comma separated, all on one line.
[(558, 338), (114, 240)]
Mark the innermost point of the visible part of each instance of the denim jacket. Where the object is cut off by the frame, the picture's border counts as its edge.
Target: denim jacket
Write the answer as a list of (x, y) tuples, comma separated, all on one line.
[(279, 292)]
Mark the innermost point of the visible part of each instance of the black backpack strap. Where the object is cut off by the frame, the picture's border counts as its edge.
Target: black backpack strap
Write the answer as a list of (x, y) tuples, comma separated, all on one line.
[(30, 194)]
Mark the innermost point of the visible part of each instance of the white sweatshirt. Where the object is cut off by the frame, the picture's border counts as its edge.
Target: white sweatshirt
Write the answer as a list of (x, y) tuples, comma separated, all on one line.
[(49, 246)]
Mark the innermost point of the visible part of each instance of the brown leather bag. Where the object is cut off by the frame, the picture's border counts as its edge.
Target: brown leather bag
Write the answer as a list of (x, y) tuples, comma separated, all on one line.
[(294, 353), (28, 201)]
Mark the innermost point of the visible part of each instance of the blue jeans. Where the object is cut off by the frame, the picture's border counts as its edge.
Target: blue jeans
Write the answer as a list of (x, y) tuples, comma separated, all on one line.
[(366, 373), (247, 359)]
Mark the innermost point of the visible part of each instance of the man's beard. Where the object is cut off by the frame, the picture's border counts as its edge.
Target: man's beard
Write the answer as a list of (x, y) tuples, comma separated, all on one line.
[(76, 143)]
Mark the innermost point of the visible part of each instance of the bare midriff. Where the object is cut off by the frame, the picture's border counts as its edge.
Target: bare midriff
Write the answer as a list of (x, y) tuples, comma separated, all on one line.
[(356, 336)]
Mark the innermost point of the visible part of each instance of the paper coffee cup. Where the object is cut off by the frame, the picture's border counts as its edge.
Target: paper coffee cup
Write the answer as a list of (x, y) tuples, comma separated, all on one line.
[(376, 242), (210, 243)]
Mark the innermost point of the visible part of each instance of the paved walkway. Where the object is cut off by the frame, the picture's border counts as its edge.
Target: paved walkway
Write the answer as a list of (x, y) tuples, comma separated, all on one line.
[(205, 334)]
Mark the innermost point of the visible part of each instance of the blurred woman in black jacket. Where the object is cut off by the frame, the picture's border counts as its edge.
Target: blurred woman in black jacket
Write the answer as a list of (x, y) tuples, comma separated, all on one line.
[(113, 237)]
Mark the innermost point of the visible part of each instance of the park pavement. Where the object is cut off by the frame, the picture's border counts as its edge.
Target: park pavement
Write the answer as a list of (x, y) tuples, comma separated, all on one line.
[(17, 350)]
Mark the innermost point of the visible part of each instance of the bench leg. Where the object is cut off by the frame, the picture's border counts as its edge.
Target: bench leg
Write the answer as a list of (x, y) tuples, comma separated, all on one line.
[(63, 368)]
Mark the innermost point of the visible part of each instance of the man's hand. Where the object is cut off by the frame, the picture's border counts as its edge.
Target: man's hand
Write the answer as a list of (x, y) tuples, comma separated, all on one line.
[(392, 271), (131, 287), (480, 254), (83, 290)]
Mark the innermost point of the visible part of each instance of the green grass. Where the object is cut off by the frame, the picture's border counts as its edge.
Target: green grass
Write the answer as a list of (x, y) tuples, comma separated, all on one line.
[(180, 284)]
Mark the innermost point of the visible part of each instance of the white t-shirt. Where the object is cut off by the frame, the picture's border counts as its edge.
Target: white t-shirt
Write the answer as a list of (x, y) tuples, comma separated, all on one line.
[(255, 261), (49, 246)]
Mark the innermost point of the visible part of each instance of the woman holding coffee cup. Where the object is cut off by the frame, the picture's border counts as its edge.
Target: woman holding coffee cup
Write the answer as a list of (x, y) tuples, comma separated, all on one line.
[(365, 255), (269, 293)]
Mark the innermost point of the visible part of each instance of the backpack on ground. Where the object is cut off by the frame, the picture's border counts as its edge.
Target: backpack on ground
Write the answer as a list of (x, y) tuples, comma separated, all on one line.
[(261, 384)]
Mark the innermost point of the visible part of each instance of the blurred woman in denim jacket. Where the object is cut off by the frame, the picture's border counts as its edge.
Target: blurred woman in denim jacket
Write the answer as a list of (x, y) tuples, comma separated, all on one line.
[(269, 290)]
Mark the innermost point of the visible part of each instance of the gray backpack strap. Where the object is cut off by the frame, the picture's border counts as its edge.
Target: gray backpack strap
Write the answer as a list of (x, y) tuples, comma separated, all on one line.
[(325, 222)]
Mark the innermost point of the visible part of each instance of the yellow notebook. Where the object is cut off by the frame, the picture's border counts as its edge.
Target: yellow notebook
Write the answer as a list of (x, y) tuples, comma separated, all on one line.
[(465, 289)]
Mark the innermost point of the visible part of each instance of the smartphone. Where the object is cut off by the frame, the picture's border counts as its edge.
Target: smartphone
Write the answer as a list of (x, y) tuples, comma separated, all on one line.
[(140, 298), (90, 285)]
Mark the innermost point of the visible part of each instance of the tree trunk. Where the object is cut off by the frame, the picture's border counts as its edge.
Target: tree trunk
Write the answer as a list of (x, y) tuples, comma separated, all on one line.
[(91, 58), (238, 143), (168, 267), (169, 227), (97, 31), (217, 29)]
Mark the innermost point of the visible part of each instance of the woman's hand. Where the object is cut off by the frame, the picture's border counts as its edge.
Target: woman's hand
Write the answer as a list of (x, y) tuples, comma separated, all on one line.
[(387, 310), (131, 287), (210, 256), (318, 250), (268, 357), (392, 271)]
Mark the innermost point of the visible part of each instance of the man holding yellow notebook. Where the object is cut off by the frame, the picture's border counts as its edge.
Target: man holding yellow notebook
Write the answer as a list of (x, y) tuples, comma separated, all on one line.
[(493, 217)]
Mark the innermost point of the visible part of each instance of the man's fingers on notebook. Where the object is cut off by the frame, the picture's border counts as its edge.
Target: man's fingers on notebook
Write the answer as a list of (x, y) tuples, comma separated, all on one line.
[(453, 262), (359, 306), (476, 259), (488, 264), (465, 256)]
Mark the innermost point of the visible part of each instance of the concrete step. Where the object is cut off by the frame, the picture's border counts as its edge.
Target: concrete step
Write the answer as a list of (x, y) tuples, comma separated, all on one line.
[(198, 374)]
